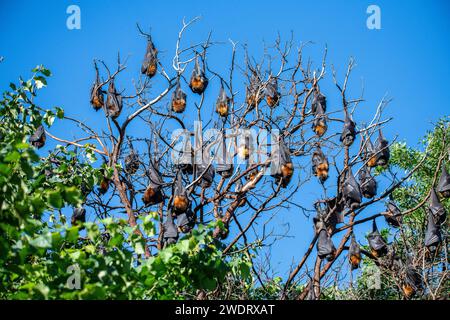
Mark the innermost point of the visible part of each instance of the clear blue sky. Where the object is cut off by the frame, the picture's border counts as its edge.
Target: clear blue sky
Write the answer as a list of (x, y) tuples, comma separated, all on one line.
[(408, 58)]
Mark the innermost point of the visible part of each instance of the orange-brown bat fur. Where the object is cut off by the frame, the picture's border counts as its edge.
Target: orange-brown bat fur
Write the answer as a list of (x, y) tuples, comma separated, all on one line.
[(372, 162), (322, 171), (222, 109), (252, 101), (104, 185), (374, 253), (151, 69), (197, 84), (320, 128), (287, 170), (355, 259), (408, 291), (178, 105), (150, 196), (272, 101), (180, 203), (97, 101)]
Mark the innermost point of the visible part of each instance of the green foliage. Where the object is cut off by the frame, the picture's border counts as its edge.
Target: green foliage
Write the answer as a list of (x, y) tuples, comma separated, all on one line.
[(410, 241), (46, 259)]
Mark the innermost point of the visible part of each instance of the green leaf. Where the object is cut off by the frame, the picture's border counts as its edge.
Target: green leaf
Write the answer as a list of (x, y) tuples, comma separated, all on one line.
[(43, 241), (55, 199)]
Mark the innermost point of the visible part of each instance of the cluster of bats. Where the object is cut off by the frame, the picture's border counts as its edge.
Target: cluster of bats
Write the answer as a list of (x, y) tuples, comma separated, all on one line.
[(329, 212), (350, 194)]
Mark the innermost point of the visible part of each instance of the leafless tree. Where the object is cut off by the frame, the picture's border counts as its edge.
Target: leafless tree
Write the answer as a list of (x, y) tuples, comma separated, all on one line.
[(282, 93)]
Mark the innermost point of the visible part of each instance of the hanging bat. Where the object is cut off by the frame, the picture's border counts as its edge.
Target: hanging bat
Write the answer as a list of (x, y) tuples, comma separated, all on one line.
[(412, 282), (393, 215), (222, 103), (198, 82), (78, 216), (186, 159), (239, 196), (354, 253), (351, 190), (319, 124), (433, 232), (382, 150), (132, 163), (186, 221), (150, 63), (178, 100), (348, 133), (436, 208), (206, 170), (170, 233), (368, 153), (97, 99), (271, 92), (443, 186), (113, 101), (377, 244), (328, 216), (325, 247), (180, 198), (253, 95), (282, 168), (319, 102), (38, 138), (153, 194), (320, 165), (104, 185), (367, 183), (224, 166)]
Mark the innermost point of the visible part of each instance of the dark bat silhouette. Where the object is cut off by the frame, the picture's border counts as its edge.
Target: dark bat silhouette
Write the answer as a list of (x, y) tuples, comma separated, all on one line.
[(38, 138), (78, 216), (325, 247), (181, 201), (132, 162), (443, 186), (319, 124), (351, 191), (368, 153), (178, 100), (436, 208), (393, 215), (281, 166), (186, 221), (319, 101), (271, 92), (153, 194), (367, 183), (253, 94), (113, 101), (224, 163), (170, 233), (433, 233), (97, 96), (198, 82), (150, 63), (377, 244), (349, 132), (320, 165), (382, 150), (222, 103), (354, 253)]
